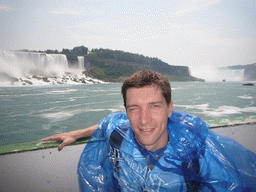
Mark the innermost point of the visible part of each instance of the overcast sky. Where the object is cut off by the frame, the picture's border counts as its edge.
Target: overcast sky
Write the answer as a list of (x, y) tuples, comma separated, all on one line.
[(201, 34)]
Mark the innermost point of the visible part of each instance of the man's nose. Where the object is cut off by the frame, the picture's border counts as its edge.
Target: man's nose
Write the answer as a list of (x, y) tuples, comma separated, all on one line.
[(145, 117)]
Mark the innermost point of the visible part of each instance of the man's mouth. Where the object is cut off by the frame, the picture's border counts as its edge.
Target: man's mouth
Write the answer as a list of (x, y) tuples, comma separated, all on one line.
[(145, 131)]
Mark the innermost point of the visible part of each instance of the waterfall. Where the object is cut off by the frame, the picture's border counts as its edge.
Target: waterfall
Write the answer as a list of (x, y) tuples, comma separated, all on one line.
[(32, 68), (24, 66), (232, 74), (8, 56), (39, 60), (43, 60), (80, 62), (16, 64), (59, 59)]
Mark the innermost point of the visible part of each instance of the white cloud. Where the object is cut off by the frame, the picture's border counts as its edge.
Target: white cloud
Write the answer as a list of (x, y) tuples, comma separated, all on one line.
[(191, 33), (67, 10), (73, 9), (96, 38), (194, 5), (81, 8), (5, 8), (94, 26)]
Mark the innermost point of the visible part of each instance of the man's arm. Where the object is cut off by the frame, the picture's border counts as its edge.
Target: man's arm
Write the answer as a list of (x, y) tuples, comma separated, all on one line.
[(71, 137)]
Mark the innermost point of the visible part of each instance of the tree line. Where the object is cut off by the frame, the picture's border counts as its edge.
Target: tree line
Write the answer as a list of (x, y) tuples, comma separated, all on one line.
[(79, 51)]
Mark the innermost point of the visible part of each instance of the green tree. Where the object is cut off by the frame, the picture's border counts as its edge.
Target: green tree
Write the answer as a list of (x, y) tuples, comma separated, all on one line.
[(65, 51), (81, 50), (49, 51)]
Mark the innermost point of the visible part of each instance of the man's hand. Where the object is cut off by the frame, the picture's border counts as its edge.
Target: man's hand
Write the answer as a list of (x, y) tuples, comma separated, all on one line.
[(71, 137), (64, 137)]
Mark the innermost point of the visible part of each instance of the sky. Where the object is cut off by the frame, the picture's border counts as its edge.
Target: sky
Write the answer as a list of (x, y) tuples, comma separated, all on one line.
[(200, 34)]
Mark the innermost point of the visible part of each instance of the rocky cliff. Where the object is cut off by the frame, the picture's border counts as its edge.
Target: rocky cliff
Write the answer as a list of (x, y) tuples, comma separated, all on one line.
[(109, 65), (250, 72)]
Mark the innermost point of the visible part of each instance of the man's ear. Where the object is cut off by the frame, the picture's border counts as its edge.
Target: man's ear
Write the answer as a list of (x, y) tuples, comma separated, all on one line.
[(170, 109)]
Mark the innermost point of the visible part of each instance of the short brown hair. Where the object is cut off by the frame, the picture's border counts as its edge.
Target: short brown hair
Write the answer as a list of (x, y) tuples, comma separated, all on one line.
[(146, 78)]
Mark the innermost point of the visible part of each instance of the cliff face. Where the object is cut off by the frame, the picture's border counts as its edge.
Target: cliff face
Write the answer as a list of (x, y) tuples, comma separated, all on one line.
[(72, 60), (250, 72), (116, 66)]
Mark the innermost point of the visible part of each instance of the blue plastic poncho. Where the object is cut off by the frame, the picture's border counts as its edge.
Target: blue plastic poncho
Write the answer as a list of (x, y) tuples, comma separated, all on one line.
[(195, 159)]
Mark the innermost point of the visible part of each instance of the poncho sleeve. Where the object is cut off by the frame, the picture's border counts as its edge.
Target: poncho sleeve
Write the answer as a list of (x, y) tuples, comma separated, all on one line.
[(227, 165), (224, 164), (94, 170)]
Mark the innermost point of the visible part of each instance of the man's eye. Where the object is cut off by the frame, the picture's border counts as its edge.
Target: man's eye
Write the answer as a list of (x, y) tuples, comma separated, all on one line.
[(133, 109), (155, 106)]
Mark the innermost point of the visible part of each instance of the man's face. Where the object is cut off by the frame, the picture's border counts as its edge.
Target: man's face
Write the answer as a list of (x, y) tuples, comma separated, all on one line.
[(148, 114)]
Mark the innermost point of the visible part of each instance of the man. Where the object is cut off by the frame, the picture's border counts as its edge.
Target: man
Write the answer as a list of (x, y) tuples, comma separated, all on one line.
[(153, 148)]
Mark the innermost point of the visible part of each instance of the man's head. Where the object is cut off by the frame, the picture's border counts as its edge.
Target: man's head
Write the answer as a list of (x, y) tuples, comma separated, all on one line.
[(147, 98), (146, 78)]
